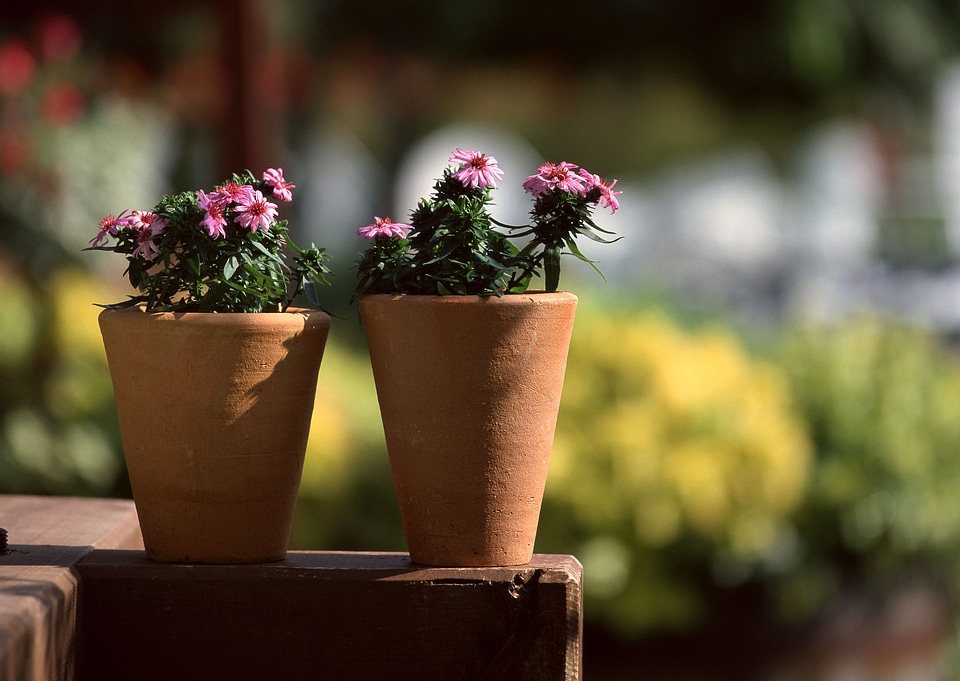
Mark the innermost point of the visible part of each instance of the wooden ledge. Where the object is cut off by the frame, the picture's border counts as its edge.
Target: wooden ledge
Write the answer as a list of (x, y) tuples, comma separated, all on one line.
[(38, 582), (79, 600), (329, 615)]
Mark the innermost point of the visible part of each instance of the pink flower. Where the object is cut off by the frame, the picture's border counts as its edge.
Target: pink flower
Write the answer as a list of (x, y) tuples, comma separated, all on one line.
[(608, 197), (476, 169), (562, 176), (108, 227), (214, 221), (256, 212), (384, 227), (281, 188), (147, 226), (233, 192), (139, 220)]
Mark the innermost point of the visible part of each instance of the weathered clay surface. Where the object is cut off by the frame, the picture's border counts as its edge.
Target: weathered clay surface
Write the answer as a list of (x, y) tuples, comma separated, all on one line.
[(214, 412), (469, 389)]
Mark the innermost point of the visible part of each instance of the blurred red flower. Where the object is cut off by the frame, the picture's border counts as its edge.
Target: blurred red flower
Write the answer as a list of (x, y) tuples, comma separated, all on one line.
[(62, 104), (17, 66), (59, 38)]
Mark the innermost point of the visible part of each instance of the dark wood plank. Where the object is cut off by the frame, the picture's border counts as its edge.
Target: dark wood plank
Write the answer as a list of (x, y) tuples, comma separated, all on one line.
[(38, 586), (328, 615), (315, 615)]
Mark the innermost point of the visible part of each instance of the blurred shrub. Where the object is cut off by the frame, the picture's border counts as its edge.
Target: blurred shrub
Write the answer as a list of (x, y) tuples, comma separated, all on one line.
[(687, 474), (677, 458), (882, 401), (346, 497), (60, 109), (57, 424)]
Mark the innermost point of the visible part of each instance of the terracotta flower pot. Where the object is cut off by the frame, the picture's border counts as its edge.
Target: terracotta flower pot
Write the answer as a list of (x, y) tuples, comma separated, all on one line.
[(214, 412), (469, 389)]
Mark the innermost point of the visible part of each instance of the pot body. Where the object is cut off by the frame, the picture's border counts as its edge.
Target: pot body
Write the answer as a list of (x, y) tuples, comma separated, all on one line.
[(214, 412), (469, 388)]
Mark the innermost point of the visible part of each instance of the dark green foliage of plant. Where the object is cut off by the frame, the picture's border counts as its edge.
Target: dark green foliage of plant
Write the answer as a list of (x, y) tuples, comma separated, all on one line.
[(558, 218), (242, 271), (455, 248)]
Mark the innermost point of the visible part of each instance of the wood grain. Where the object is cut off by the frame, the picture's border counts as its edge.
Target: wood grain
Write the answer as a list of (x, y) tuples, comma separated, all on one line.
[(38, 586), (79, 600), (329, 615)]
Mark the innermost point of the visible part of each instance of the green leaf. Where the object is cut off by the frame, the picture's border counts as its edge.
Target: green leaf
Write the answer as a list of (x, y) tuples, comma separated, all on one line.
[(551, 268), (575, 251), (230, 267), (309, 287)]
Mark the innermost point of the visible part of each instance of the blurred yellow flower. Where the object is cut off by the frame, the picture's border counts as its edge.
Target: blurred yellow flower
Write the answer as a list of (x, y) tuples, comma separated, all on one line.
[(671, 432), (19, 326), (81, 382)]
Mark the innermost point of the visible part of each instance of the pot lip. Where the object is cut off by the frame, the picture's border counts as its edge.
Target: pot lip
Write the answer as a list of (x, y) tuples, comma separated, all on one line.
[(140, 310), (454, 299), (292, 316)]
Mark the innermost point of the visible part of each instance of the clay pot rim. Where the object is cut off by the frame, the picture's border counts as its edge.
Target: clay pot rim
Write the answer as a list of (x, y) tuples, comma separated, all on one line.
[(292, 316), (453, 299)]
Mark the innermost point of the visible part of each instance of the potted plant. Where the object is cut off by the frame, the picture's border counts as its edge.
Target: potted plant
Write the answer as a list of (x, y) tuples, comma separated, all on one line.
[(468, 361), (214, 369)]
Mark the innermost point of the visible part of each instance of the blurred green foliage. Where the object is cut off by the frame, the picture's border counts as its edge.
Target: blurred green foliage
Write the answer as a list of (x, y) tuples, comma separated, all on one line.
[(679, 461), (881, 402), (346, 494), (658, 81), (686, 469), (58, 432)]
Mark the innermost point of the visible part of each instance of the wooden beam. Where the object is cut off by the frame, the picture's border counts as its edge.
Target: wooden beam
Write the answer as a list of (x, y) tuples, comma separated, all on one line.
[(70, 611), (328, 615)]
